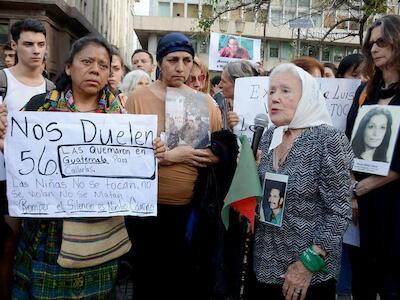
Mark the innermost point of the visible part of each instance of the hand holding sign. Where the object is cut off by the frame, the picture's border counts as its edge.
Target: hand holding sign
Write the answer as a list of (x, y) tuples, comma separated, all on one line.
[(3, 124), (81, 165)]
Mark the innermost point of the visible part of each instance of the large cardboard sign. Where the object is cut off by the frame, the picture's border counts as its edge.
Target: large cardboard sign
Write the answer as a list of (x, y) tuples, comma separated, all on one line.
[(225, 48), (251, 99), (80, 165)]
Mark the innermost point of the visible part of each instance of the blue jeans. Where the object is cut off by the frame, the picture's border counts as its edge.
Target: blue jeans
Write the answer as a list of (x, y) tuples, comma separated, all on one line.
[(343, 286)]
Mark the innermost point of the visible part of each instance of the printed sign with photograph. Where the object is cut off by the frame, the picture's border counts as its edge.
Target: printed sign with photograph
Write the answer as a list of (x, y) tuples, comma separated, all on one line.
[(186, 119), (225, 48), (274, 196), (374, 137)]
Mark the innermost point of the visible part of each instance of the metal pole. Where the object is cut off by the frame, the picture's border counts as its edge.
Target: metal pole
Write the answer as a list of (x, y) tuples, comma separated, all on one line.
[(298, 43)]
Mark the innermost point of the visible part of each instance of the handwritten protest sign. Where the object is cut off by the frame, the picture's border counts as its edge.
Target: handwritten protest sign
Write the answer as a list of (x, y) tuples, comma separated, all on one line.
[(339, 94), (251, 99), (80, 165)]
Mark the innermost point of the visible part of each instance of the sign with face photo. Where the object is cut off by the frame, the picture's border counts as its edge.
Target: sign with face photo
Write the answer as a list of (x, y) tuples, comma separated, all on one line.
[(274, 196), (374, 137)]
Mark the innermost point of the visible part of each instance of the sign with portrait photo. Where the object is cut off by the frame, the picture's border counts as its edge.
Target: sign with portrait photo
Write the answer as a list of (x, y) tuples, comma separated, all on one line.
[(225, 48), (62, 165), (272, 206), (374, 137), (187, 120)]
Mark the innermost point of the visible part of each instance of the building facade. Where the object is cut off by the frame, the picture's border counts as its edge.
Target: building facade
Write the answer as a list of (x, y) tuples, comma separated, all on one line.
[(270, 24), (68, 20)]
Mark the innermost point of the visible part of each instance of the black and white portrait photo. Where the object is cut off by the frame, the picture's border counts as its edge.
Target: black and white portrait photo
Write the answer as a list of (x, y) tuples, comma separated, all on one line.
[(374, 137)]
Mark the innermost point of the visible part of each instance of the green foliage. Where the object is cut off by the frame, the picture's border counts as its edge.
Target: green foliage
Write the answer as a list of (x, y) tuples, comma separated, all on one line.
[(206, 23)]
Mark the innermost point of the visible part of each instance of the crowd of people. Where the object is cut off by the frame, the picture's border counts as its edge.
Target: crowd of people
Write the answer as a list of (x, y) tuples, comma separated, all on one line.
[(185, 252)]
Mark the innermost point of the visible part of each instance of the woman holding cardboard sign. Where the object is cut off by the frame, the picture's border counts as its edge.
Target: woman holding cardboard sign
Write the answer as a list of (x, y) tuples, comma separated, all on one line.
[(160, 254), (375, 264), (49, 263)]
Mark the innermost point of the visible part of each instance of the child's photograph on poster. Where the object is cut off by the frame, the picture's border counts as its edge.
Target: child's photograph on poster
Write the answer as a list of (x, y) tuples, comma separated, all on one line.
[(374, 137), (274, 196)]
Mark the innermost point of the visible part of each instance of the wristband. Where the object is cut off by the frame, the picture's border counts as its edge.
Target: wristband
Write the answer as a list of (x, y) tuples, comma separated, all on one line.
[(312, 261)]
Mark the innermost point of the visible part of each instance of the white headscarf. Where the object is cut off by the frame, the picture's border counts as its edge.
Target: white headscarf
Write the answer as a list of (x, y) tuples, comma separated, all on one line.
[(311, 109)]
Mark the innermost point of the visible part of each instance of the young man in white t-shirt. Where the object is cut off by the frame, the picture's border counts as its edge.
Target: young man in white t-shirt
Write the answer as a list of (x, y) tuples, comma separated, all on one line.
[(22, 82), (25, 79)]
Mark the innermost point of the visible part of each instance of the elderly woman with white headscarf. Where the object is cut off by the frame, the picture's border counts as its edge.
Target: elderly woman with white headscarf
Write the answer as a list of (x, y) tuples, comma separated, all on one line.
[(299, 257)]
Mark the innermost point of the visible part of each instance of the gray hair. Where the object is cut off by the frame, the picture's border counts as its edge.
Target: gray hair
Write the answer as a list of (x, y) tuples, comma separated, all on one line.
[(132, 79), (241, 68)]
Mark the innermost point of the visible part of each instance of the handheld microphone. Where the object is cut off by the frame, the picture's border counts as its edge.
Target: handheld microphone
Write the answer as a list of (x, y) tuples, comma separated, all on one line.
[(260, 122)]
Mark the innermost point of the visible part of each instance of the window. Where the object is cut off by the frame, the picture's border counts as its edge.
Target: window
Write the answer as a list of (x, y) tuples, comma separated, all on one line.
[(178, 10), (338, 54), (313, 51), (164, 9), (287, 51), (3, 33), (291, 4), (317, 20), (277, 3), (249, 15), (192, 11), (326, 54), (290, 15), (206, 10), (262, 16), (354, 25), (276, 16), (274, 49), (329, 20), (235, 14), (341, 17), (304, 3)]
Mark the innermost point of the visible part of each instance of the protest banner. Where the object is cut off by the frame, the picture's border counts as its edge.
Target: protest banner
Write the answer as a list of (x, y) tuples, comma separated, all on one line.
[(80, 165), (251, 99), (339, 94), (225, 48), (374, 137)]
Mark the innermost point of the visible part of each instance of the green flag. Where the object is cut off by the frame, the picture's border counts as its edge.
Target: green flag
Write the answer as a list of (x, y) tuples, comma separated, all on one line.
[(245, 191)]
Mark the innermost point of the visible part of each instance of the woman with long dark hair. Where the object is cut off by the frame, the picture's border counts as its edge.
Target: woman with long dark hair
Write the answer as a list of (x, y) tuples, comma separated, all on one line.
[(375, 264)]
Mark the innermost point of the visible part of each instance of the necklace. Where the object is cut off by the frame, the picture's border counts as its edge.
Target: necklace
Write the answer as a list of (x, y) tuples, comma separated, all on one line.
[(387, 93), (284, 148)]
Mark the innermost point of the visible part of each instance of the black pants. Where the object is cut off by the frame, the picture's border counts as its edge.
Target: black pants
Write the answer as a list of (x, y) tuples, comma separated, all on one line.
[(374, 275), (321, 291), (159, 256)]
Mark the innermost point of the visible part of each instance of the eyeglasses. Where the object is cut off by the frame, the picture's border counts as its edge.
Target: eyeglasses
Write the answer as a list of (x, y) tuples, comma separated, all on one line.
[(381, 43), (200, 78)]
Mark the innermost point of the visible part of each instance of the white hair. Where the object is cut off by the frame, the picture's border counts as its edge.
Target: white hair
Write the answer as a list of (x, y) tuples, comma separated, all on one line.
[(131, 80), (286, 67)]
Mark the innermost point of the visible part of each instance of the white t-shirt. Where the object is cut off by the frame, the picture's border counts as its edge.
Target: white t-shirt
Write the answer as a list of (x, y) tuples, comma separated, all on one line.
[(18, 94)]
